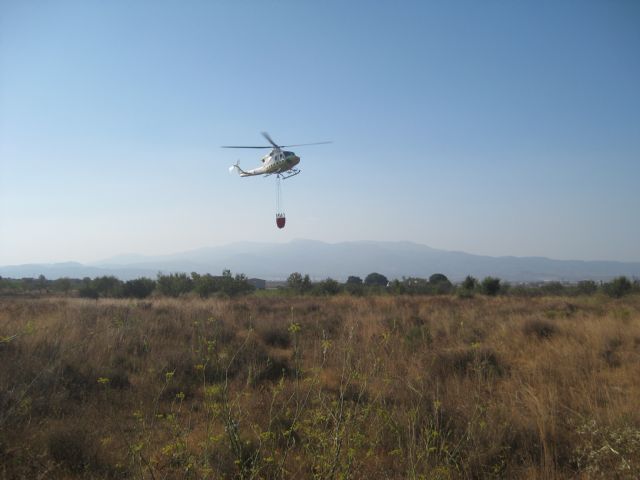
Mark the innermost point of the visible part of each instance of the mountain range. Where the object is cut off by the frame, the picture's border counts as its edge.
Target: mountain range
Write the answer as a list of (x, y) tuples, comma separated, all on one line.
[(275, 261)]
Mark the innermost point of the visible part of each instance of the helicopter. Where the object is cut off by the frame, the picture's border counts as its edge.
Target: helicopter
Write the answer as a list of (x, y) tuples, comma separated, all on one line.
[(278, 162)]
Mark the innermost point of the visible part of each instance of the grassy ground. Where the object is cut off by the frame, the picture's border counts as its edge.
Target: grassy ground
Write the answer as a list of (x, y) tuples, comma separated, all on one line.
[(342, 387)]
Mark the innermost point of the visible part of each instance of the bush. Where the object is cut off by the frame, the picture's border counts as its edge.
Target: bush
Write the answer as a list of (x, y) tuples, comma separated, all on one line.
[(618, 287), (108, 286), (232, 286), (298, 283), (204, 285), (586, 287), (356, 289), (62, 284), (490, 286), (328, 287), (441, 287), (469, 284), (539, 328), (72, 448), (414, 286), (88, 291), (552, 288), (468, 361), (276, 336), (139, 288), (397, 287), (174, 284)]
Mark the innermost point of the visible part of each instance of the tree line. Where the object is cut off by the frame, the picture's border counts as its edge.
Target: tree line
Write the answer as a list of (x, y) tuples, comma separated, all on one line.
[(439, 284), (108, 286), (229, 285)]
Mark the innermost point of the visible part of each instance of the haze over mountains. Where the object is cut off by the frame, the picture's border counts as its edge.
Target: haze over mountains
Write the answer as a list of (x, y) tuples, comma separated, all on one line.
[(275, 261)]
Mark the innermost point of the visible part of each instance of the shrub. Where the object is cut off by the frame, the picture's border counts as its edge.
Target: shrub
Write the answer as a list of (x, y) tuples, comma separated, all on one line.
[(328, 287), (174, 284), (298, 283), (618, 287), (204, 285), (539, 328), (88, 291), (232, 286), (107, 286), (276, 336), (469, 283), (468, 361), (552, 288), (586, 287), (139, 288), (354, 288), (490, 286), (610, 353), (414, 286), (72, 448)]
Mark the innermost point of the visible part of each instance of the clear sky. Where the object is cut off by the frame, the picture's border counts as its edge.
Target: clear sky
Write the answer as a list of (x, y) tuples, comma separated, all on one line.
[(492, 127)]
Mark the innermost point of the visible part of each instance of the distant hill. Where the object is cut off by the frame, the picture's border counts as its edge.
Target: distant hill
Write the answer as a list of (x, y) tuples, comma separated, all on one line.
[(275, 261)]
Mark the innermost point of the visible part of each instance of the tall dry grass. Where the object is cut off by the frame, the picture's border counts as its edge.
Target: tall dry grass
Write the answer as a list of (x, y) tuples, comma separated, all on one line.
[(342, 387)]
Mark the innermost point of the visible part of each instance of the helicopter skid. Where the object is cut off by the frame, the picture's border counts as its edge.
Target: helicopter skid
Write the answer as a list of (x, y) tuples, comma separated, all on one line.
[(288, 174)]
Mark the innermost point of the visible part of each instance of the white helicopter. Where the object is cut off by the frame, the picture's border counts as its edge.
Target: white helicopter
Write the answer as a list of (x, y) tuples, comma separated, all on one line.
[(278, 161)]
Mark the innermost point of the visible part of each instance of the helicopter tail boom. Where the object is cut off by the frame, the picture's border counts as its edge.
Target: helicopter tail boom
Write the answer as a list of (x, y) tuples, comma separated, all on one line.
[(236, 167)]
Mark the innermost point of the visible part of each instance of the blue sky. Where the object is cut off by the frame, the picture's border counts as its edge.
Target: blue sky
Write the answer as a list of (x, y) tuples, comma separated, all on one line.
[(493, 127)]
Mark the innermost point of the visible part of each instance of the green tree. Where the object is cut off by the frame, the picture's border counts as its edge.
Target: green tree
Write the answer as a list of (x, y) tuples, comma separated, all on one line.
[(138, 288), (87, 290), (108, 286), (41, 283), (174, 284), (354, 286), (376, 280), (490, 286), (552, 288), (586, 287), (204, 285), (397, 287), (438, 278), (440, 283), (618, 287), (298, 283), (469, 283), (62, 285), (417, 286), (232, 286), (328, 287)]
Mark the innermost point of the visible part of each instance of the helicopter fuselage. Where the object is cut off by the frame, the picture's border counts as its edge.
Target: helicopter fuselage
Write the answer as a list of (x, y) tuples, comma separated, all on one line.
[(276, 162)]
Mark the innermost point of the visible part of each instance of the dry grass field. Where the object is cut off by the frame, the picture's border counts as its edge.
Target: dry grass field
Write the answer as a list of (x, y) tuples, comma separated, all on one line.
[(436, 387)]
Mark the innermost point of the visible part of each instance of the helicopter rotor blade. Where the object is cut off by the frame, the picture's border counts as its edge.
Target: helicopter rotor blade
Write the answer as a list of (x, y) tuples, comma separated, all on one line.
[(274, 144), (270, 140), (236, 146), (304, 144)]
